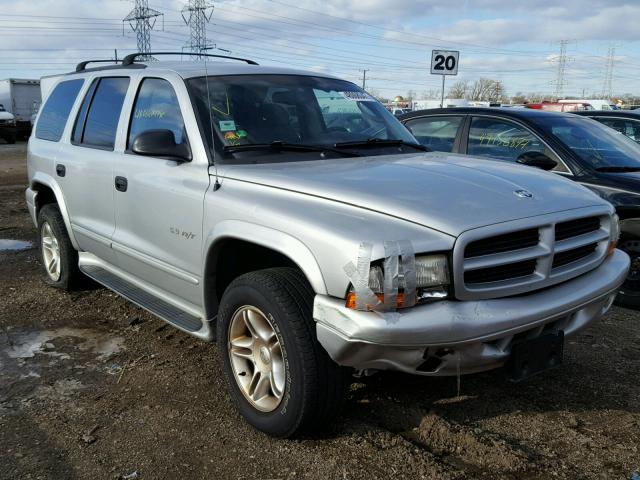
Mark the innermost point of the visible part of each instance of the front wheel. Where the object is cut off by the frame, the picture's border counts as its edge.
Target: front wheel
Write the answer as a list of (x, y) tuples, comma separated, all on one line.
[(281, 379), (629, 294)]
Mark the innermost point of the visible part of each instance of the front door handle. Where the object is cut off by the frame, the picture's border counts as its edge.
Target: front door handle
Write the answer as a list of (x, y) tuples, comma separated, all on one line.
[(61, 170), (121, 184)]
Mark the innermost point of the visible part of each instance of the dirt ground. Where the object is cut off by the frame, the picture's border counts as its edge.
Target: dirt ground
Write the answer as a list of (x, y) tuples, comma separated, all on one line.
[(94, 387)]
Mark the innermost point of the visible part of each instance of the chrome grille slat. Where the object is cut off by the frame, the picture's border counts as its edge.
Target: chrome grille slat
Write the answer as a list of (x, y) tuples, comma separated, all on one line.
[(504, 258), (492, 269), (581, 240)]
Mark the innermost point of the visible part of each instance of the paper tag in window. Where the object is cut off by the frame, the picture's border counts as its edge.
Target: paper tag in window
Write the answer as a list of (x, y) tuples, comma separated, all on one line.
[(358, 96), (227, 125)]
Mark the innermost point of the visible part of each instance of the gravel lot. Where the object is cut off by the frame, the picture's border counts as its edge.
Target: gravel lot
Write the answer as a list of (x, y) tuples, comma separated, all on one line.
[(94, 387)]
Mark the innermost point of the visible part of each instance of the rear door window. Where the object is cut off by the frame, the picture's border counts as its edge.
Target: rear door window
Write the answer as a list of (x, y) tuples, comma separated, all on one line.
[(501, 139), (156, 108), (100, 123), (437, 133), (55, 112)]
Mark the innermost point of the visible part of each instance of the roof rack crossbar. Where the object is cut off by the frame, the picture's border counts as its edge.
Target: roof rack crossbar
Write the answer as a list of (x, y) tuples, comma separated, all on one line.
[(129, 59), (83, 65)]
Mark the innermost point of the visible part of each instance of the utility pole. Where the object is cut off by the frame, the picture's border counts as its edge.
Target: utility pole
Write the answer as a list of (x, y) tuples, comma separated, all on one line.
[(196, 14), (607, 88), (142, 20), (364, 78), (562, 66)]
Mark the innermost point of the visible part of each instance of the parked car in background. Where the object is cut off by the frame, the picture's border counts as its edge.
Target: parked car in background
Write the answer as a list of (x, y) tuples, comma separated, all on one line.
[(22, 98), (597, 104), (626, 122), (577, 148), (7, 125), (560, 106)]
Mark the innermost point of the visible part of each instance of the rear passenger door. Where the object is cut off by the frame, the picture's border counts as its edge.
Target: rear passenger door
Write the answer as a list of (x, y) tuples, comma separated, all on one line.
[(159, 211), (439, 133), (85, 165)]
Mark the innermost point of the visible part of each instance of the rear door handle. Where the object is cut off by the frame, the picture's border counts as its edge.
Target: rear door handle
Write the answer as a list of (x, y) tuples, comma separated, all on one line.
[(121, 184), (61, 170)]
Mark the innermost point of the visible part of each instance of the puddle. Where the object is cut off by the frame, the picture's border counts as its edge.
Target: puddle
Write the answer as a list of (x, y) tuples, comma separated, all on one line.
[(10, 245), (27, 345)]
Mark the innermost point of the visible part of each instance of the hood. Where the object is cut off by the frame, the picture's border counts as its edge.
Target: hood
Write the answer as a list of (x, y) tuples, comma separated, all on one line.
[(6, 116), (449, 193)]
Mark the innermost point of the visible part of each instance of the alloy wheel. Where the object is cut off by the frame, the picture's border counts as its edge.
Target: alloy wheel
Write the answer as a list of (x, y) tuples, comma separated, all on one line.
[(50, 252), (256, 358)]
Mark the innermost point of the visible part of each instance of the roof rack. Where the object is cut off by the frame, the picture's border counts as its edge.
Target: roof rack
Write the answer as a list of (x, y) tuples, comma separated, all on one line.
[(83, 65), (129, 59)]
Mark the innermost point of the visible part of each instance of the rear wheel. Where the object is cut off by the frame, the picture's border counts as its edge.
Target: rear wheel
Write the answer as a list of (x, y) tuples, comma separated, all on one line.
[(59, 258), (629, 294), (281, 379)]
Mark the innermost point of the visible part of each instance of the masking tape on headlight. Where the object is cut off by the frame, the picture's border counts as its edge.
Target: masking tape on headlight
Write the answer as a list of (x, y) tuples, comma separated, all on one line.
[(399, 262)]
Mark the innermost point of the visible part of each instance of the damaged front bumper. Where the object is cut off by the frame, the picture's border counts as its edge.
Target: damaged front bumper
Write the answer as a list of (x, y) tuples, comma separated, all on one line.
[(447, 337)]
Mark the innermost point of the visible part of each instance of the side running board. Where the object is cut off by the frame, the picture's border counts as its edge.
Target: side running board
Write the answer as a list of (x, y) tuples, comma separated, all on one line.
[(143, 298)]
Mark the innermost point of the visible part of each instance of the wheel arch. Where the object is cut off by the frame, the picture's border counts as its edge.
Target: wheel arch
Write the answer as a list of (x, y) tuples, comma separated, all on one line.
[(48, 191), (235, 247)]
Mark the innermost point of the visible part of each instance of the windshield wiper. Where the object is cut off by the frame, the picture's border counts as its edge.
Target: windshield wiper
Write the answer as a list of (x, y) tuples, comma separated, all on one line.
[(614, 169), (278, 146), (380, 142)]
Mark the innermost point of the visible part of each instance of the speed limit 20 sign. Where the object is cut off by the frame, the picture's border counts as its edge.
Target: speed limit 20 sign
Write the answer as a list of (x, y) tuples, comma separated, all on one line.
[(444, 62)]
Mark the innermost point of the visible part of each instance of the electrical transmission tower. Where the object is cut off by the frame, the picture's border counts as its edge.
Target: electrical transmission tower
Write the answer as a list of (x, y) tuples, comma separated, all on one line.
[(562, 67), (607, 88), (142, 20), (196, 14)]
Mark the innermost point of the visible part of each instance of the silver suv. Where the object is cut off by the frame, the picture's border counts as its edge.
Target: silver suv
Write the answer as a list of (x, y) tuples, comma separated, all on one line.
[(290, 216)]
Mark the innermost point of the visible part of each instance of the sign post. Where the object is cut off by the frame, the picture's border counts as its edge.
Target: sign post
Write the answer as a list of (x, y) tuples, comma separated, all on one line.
[(444, 62)]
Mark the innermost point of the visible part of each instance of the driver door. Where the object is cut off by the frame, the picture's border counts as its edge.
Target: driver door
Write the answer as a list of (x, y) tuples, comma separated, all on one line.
[(159, 201), (505, 140)]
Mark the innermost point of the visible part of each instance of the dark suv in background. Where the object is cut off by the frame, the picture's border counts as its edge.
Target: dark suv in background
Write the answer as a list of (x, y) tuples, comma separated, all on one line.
[(577, 148)]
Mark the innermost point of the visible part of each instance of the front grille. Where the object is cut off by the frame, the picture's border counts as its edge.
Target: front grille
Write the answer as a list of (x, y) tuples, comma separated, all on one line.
[(514, 260), (502, 272), (573, 228), (565, 258), (503, 243)]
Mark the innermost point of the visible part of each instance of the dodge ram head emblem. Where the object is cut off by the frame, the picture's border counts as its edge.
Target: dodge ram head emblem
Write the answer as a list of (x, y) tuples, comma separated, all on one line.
[(523, 193)]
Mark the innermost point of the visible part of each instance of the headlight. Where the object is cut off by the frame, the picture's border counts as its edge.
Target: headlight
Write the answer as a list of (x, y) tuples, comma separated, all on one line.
[(432, 282), (615, 233)]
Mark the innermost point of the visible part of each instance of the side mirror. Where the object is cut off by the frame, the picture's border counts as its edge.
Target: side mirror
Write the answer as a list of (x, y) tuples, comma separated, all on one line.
[(538, 160), (161, 143)]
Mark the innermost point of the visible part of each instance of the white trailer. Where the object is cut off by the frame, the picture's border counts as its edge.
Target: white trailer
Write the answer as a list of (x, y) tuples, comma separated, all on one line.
[(22, 98)]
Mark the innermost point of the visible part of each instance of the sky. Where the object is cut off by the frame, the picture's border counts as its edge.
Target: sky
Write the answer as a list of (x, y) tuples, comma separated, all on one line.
[(517, 42)]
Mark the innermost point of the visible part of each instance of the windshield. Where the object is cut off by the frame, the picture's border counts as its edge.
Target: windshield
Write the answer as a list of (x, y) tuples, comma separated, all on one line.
[(2, 108), (599, 146), (292, 110)]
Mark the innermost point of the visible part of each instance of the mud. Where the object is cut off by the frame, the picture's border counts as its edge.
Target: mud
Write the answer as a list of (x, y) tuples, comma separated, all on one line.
[(93, 387)]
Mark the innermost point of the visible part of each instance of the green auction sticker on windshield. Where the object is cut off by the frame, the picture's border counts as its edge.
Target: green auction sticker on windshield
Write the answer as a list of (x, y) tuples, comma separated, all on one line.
[(357, 96), (227, 125)]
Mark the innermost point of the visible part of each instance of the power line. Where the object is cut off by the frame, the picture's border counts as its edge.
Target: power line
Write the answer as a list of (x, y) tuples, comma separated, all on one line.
[(562, 66), (607, 88), (142, 20), (364, 78), (196, 14)]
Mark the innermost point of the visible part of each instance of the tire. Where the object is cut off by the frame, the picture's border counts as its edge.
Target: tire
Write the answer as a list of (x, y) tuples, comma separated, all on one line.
[(313, 385), (629, 294), (52, 233)]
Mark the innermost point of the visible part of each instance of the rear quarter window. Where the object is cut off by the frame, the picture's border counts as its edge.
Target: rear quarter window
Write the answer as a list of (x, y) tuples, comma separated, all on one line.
[(55, 112)]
